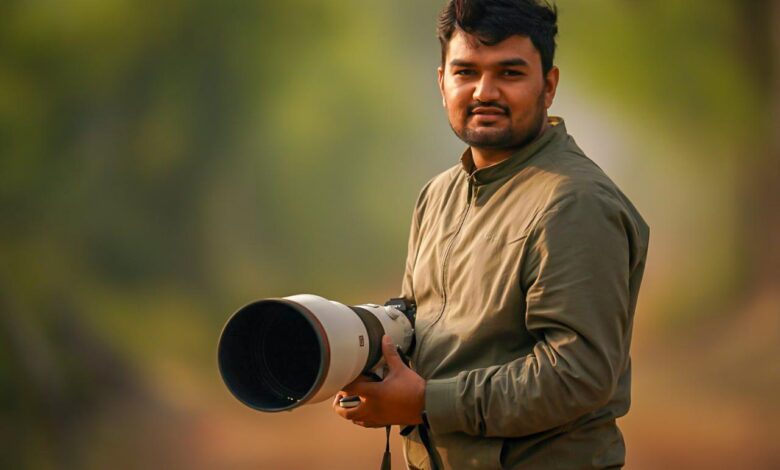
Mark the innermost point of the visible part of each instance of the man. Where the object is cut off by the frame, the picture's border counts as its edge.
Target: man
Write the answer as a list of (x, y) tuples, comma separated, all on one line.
[(524, 261)]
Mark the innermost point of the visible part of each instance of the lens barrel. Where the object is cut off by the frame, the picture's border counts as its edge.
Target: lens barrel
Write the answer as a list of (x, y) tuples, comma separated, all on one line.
[(278, 354)]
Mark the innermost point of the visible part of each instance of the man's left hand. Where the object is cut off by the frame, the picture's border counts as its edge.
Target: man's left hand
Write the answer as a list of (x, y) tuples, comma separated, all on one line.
[(398, 399)]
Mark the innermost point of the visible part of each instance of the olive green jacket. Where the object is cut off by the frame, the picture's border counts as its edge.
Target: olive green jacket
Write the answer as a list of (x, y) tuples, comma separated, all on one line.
[(525, 275)]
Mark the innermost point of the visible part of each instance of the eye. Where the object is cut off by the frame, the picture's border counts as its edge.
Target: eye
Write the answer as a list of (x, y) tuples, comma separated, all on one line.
[(465, 72), (513, 73)]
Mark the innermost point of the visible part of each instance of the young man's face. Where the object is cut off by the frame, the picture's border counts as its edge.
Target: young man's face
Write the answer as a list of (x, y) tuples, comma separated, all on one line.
[(496, 96)]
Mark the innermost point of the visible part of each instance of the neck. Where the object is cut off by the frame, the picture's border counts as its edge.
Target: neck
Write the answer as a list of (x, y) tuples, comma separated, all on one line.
[(485, 157)]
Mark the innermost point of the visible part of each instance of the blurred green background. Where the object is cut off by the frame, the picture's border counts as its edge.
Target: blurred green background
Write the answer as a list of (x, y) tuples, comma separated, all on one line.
[(163, 163)]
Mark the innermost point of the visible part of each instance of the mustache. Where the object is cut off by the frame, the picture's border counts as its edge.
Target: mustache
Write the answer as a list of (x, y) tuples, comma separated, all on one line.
[(487, 104)]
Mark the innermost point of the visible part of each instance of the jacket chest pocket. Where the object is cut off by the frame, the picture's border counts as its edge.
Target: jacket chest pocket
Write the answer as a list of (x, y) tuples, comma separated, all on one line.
[(489, 254), (484, 269)]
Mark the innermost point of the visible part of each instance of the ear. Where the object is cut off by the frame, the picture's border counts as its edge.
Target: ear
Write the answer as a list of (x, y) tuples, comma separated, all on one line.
[(550, 86), (440, 72)]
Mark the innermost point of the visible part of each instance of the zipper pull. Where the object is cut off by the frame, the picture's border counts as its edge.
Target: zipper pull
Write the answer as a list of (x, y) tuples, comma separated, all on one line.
[(472, 186)]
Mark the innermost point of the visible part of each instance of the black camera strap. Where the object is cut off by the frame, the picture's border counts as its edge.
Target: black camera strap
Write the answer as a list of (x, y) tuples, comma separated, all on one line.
[(422, 430), (386, 457)]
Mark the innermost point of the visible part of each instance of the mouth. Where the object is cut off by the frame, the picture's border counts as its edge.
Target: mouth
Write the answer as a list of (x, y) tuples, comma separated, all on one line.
[(487, 116), (487, 111)]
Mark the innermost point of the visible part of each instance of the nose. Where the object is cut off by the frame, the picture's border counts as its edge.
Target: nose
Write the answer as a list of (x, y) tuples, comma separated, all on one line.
[(486, 89)]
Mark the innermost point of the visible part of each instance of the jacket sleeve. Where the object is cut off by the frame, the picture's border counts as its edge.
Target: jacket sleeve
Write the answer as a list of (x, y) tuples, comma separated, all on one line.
[(575, 276)]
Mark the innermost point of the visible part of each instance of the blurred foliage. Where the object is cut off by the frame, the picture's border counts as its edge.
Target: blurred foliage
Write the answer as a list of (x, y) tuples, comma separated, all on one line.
[(162, 163)]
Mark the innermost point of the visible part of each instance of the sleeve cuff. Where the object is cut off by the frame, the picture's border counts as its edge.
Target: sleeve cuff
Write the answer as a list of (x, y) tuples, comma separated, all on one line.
[(441, 405)]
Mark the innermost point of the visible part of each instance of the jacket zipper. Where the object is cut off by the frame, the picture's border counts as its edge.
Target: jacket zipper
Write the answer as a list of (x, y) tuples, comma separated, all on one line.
[(471, 197), (430, 447)]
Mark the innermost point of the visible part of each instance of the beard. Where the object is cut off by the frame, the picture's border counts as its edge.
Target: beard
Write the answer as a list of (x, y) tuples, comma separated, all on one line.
[(488, 137)]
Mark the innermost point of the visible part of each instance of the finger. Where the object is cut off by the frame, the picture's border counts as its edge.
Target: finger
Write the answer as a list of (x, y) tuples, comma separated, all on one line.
[(355, 385), (357, 413), (390, 354), (344, 412), (362, 389), (341, 412), (338, 397)]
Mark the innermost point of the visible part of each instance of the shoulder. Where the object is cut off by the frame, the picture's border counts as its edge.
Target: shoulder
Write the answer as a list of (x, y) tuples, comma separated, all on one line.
[(571, 186), (439, 186), (567, 171)]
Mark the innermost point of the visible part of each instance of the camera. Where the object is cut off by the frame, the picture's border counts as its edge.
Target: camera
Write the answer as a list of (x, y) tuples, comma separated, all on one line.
[(281, 353)]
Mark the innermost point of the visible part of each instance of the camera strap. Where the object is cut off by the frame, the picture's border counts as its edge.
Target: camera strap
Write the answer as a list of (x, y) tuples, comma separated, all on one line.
[(386, 457), (422, 430)]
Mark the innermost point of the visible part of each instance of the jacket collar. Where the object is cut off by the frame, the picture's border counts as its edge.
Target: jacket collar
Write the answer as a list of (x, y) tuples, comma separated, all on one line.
[(555, 131)]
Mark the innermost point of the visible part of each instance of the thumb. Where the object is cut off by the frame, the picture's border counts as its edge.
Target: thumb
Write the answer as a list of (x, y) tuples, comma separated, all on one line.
[(390, 354)]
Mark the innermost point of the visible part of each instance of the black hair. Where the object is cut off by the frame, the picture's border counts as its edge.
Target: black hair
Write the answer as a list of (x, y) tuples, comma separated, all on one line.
[(492, 21)]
